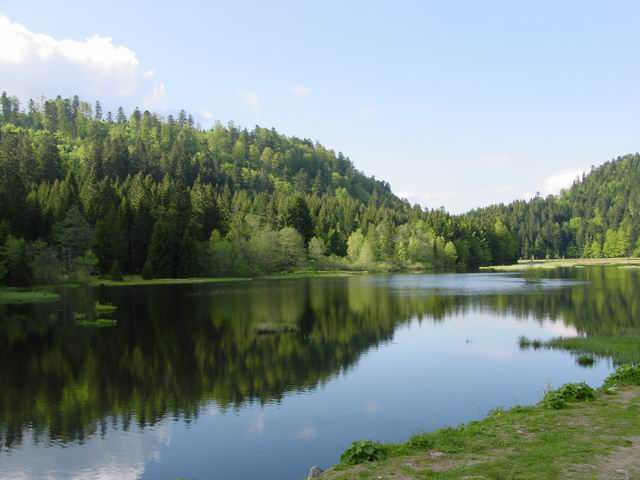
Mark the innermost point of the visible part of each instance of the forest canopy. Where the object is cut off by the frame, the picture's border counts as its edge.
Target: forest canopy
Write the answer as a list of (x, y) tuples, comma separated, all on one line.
[(598, 216), (86, 192)]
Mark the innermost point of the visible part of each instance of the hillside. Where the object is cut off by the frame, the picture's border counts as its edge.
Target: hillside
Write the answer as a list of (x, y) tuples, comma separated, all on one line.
[(85, 191), (598, 216)]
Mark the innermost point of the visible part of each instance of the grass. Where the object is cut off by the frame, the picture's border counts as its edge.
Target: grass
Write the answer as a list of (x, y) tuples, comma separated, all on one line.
[(525, 342), (564, 263), (104, 309), (96, 322), (585, 360), (624, 348), (137, 280), (264, 328), (590, 436), (15, 296)]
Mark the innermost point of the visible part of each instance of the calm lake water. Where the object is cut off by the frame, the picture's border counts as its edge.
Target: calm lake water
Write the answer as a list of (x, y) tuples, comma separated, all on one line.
[(184, 387)]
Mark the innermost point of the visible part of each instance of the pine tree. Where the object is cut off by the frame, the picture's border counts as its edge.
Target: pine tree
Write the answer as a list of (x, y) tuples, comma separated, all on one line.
[(298, 216)]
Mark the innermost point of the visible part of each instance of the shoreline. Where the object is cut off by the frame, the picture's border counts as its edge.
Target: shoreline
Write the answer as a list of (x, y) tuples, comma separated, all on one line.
[(583, 438), (524, 265)]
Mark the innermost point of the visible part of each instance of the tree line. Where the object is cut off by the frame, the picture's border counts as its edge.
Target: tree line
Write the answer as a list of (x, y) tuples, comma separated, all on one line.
[(598, 216), (87, 192)]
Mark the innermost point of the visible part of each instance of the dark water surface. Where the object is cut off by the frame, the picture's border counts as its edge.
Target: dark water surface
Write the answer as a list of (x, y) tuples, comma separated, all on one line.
[(184, 387)]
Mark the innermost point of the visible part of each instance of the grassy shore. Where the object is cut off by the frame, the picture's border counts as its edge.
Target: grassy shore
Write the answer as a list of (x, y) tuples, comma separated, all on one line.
[(623, 348), (632, 262), (137, 280), (41, 293), (16, 296), (590, 439)]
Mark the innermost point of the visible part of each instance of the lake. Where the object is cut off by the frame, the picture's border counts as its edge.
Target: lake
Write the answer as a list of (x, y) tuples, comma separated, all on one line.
[(183, 386)]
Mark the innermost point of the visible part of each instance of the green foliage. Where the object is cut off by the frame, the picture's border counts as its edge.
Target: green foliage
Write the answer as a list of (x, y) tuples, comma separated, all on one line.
[(104, 309), (362, 451), (16, 262), (13, 296), (525, 343), (96, 323), (624, 375), (317, 252), (298, 216), (570, 392), (598, 216), (585, 360), (146, 194)]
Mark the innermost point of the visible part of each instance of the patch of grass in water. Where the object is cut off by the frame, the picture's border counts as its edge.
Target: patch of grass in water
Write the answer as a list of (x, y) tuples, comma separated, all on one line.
[(14, 296), (97, 322), (104, 309), (265, 328), (621, 349), (585, 360), (525, 343)]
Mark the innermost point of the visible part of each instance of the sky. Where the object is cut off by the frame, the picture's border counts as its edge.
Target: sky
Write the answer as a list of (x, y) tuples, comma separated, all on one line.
[(454, 103)]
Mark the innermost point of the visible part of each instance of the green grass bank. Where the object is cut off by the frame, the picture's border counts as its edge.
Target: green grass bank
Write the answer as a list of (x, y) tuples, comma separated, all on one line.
[(591, 435)]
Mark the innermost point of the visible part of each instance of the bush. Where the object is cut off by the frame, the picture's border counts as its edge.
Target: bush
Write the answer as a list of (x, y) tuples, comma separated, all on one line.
[(577, 392), (363, 451), (624, 375)]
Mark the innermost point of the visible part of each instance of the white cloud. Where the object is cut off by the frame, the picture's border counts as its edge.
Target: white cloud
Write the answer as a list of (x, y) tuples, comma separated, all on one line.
[(251, 99), (301, 90), (35, 64), (555, 183), (155, 98), (207, 115)]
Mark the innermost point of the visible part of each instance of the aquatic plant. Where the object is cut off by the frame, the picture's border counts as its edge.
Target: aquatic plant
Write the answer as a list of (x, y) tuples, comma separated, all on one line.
[(104, 309), (15, 296), (525, 343), (585, 360), (98, 322)]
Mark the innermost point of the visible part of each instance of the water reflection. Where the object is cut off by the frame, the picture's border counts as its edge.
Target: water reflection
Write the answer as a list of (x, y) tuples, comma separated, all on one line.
[(178, 350)]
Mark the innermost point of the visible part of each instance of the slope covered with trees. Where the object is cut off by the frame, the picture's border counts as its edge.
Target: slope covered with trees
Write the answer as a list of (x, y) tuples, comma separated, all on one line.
[(598, 216), (84, 191)]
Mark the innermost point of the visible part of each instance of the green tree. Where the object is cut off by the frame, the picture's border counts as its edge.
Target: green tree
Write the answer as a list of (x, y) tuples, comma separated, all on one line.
[(298, 216), (16, 262), (317, 252)]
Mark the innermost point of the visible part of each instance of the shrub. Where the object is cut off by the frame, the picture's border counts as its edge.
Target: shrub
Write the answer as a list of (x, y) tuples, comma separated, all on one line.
[(624, 375), (363, 451), (577, 392)]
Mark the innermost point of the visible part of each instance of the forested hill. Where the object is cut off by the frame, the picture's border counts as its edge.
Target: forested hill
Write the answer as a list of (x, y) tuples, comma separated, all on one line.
[(598, 216), (85, 191)]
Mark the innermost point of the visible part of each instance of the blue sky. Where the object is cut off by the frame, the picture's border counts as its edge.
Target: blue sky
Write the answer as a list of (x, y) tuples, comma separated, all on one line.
[(454, 103)]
